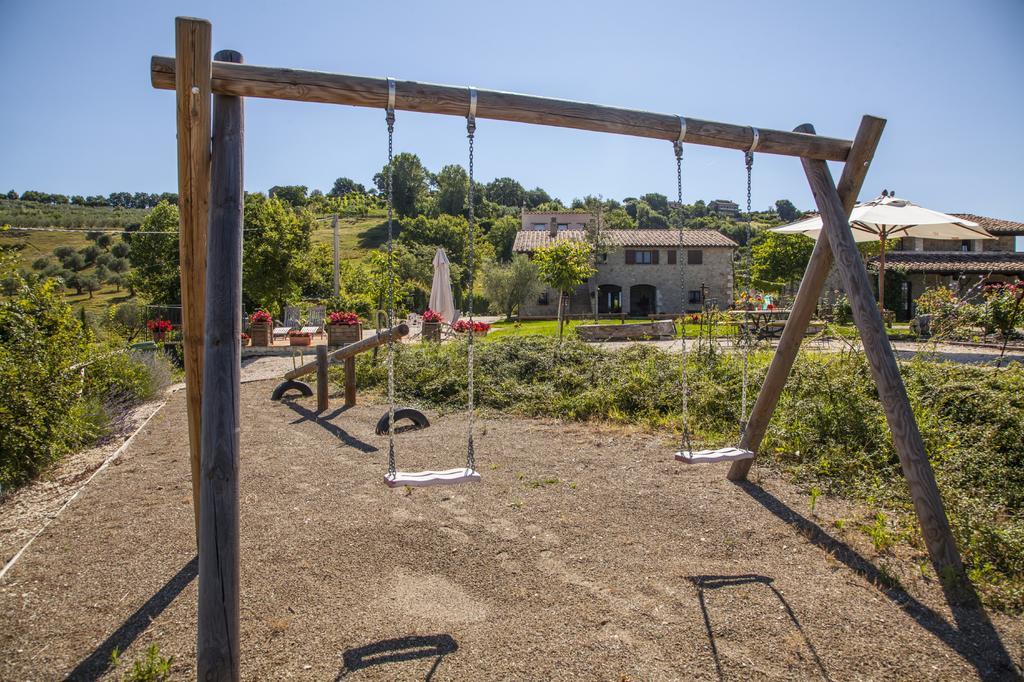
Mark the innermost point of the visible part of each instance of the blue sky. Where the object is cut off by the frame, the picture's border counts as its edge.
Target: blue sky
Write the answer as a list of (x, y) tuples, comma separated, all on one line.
[(80, 117)]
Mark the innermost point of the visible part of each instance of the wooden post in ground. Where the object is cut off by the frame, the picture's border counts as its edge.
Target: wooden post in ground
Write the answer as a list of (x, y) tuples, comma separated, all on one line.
[(350, 382), (192, 85), (907, 438), (850, 184), (217, 644), (322, 392)]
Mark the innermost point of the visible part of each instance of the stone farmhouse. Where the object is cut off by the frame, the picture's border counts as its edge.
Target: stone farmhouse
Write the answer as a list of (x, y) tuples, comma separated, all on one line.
[(962, 264), (638, 273)]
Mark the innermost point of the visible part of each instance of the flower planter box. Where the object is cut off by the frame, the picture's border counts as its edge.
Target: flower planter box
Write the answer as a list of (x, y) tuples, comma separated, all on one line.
[(159, 336), (262, 334), (300, 340), (431, 331), (343, 334)]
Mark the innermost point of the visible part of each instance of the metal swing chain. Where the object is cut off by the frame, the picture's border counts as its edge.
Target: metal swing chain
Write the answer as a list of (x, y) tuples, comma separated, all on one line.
[(749, 158), (470, 389), (390, 118), (677, 146)]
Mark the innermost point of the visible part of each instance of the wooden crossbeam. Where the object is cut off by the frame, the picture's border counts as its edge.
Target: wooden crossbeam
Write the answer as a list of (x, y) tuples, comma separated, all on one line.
[(245, 80)]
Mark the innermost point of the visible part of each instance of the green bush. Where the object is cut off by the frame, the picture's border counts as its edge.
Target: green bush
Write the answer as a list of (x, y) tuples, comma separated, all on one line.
[(829, 430), (41, 417)]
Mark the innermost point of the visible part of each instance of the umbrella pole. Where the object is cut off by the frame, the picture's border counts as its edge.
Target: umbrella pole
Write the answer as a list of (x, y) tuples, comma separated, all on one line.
[(881, 272)]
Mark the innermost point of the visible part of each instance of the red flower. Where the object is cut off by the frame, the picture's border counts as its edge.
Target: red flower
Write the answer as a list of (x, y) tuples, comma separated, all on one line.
[(343, 318), (261, 316), (298, 333), (432, 316), (478, 327), (159, 325), (245, 337)]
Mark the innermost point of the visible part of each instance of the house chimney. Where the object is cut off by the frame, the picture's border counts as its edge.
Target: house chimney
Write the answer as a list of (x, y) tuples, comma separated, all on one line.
[(553, 227)]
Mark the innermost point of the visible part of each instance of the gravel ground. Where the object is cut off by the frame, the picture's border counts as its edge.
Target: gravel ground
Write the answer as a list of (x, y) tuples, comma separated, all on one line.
[(586, 553)]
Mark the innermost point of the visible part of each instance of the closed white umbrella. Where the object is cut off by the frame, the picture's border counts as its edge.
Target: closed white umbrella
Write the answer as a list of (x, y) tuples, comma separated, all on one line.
[(889, 217), (441, 299)]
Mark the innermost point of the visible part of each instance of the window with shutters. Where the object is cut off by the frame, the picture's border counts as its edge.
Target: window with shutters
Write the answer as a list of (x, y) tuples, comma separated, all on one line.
[(671, 260), (694, 257), (695, 296), (641, 257)]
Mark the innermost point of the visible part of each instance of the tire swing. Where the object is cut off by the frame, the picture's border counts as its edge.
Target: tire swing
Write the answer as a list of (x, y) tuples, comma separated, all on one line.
[(423, 479), (686, 452)]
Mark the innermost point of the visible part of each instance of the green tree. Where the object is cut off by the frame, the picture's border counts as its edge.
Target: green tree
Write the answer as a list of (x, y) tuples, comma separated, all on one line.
[(502, 237), (508, 285), (276, 238), (127, 320), (290, 194), (787, 211), (120, 250), (778, 259), (507, 192), (345, 186), (563, 266), (154, 256), (536, 197), (41, 263), (452, 190), (410, 182)]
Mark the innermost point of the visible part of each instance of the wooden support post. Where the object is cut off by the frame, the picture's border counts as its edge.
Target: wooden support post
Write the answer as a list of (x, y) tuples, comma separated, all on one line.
[(217, 646), (907, 438), (850, 184), (192, 84), (322, 388), (350, 382)]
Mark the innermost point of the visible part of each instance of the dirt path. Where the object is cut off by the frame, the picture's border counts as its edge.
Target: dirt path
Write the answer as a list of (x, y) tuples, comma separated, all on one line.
[(586, 553)]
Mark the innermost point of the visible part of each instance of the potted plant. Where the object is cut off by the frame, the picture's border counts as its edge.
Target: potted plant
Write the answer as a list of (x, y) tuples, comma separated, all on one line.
[(297, 338), (261, 327), (431, 325), (245, 339), (343, 328), (159, 328)]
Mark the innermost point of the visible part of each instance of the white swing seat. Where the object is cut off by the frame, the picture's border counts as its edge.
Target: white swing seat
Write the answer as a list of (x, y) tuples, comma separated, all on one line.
[(426, 479), (708, 456)]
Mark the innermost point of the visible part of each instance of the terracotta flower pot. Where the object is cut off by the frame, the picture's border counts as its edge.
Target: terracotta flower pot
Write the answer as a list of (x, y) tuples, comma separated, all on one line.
[(343, 334), (300, 340), (159, 335)]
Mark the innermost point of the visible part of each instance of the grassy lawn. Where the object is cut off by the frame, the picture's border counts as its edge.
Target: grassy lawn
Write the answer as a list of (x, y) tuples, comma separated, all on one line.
[(356, 235), (550, 328)]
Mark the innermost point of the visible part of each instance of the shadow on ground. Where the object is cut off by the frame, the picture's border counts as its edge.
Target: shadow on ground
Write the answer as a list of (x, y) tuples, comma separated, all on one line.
[(324, 420), (972, 637), (398, 650), (717, 582), (98, 662)]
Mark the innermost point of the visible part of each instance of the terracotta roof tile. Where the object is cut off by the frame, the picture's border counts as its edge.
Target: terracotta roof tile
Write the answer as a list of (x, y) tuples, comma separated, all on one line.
[(529, 240), (953, 262), (994, 226)]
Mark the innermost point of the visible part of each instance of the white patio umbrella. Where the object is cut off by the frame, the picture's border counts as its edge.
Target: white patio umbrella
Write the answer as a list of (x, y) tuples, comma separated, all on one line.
[(441, 299), (889, 217)]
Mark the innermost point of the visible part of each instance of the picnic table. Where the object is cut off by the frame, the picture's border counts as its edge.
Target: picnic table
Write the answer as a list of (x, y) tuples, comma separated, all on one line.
[(762, 324)]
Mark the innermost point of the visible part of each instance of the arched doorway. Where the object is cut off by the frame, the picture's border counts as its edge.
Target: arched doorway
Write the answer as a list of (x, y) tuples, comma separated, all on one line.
[(642, 299), (609, 298)]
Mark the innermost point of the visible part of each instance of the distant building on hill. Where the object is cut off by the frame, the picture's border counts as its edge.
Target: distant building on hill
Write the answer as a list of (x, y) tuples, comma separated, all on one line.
[(724, 207)]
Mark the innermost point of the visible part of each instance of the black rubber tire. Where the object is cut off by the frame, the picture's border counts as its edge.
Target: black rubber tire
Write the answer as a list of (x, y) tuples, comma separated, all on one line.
[(418, 419), (286, 386)]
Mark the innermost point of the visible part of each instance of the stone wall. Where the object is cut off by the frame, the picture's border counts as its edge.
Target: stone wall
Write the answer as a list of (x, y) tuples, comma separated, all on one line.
[(715, 273)]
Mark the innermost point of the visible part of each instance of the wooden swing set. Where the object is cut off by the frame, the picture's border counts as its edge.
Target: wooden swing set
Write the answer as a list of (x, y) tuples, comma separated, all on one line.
[(211, 201)]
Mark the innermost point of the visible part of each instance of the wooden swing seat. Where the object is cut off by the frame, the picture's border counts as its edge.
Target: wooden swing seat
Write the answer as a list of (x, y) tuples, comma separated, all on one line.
[(427, 479), (708, 456)]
